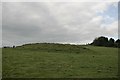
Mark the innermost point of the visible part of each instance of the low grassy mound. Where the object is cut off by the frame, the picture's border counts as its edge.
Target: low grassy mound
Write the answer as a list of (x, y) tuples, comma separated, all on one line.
[(54, 47), (48, 60)]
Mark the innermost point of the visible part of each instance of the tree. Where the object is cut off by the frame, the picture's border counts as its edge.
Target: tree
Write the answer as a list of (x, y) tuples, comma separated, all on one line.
[(111, 42), (117, 43), (13, 46), (100, 41), (103, 41)]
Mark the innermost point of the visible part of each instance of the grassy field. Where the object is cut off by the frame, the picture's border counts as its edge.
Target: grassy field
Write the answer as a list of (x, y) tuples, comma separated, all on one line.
[(59, 61), (0, 63)]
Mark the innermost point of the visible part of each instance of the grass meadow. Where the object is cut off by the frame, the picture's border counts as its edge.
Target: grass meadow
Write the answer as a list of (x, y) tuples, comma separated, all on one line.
[(0, 62), (47, 60)]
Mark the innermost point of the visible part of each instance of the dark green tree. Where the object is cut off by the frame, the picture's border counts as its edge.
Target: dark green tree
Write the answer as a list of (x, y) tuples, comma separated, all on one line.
[(111, 42), (103, 41), (100, 41), (117, 43)]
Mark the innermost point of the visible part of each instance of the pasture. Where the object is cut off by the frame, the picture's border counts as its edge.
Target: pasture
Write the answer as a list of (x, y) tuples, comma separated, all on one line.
[(0, 63), (59, 61)]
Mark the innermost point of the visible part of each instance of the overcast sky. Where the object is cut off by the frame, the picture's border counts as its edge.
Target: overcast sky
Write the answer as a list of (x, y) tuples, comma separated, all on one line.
[(64, 22)]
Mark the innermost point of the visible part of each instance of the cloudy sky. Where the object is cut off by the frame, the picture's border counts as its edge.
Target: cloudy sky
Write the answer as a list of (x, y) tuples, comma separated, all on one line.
[(64, 22)]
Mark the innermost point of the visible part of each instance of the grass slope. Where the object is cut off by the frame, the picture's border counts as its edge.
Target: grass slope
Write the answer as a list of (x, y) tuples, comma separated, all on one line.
[(0, 63), (59, 61)]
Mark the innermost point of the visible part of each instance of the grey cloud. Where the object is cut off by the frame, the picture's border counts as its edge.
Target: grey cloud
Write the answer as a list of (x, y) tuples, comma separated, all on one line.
[(49, 22)]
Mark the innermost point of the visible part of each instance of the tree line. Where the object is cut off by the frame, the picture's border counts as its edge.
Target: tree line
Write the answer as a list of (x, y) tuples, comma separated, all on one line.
[(104, 41)]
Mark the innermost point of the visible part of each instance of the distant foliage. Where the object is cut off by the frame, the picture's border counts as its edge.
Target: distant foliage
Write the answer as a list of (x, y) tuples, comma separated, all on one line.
[(100, 41), (111, 42), (13, 46), (117, 43), (103, 41)]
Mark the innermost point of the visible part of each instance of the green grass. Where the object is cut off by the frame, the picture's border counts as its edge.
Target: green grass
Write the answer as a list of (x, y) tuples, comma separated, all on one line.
[(0, 63), (59, 61)]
